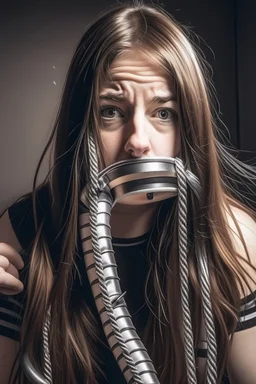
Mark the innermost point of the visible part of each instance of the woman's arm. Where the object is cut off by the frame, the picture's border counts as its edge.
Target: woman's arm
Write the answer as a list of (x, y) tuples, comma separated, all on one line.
[(242, 362)]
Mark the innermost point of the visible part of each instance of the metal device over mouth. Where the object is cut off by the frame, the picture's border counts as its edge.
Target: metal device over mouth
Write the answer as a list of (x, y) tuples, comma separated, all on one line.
[(138, 181), (135, 181)]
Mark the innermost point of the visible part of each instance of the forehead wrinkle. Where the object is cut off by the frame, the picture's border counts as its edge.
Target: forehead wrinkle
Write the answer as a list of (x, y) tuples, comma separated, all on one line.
[(123, 90), (137, 71), (160, 84), (142, 71), (138, 78)]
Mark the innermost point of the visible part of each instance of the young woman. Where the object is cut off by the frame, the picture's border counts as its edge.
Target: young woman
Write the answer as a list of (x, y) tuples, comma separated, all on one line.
[(136, 89)]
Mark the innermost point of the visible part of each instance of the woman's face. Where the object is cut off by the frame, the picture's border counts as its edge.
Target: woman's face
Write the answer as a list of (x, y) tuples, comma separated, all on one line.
[(139, 110)]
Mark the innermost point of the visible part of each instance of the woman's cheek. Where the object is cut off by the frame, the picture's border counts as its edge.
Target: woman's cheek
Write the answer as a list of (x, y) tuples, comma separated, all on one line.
[(111, 146), (167, 145)]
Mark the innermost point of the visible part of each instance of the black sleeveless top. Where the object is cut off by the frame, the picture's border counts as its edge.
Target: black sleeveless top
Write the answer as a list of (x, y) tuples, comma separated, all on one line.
[(132, 269)]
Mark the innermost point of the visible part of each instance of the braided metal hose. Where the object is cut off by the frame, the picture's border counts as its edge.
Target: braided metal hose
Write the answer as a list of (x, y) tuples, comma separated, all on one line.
[(184, 274), (211, 372), (211, 361)]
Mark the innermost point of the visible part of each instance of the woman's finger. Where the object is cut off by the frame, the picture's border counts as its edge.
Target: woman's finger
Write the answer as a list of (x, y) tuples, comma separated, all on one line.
[(9, 285), (12, 255)]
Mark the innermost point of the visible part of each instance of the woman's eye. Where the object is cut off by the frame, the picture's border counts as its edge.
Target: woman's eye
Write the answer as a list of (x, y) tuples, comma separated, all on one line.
[(110, 113), (166, 114)]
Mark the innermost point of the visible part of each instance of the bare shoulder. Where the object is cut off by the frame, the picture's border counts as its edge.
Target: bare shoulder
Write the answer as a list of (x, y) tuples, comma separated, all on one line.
[(7, 234), (241, 365), (243, 233), (247, 225)]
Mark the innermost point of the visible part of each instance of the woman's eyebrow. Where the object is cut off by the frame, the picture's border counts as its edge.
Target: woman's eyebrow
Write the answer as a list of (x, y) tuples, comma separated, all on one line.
[(163, 99), (122, 97), (113, 96)]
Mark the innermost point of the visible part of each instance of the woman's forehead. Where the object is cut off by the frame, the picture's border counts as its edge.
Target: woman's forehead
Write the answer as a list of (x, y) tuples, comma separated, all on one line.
[(136, 61), (135, 70)]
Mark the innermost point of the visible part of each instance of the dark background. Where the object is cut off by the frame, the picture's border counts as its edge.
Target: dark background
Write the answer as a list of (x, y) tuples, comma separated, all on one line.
[(37, 40)]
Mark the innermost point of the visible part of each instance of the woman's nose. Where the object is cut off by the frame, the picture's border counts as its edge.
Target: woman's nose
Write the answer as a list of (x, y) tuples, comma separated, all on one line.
[(138, 143)]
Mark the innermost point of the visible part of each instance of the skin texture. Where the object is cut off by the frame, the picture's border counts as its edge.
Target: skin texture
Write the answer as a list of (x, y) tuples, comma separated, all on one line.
[(140, 118)]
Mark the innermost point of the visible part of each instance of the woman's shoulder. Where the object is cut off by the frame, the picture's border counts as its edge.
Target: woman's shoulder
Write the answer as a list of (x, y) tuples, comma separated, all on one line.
[(21, 215), (242, 227), (241, 363)]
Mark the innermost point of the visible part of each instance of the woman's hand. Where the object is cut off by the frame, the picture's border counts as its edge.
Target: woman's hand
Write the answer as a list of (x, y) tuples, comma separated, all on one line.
[(10, 263)]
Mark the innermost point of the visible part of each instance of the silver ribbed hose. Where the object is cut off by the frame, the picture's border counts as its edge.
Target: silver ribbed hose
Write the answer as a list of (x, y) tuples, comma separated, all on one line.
[(118, 327), (32, 374)]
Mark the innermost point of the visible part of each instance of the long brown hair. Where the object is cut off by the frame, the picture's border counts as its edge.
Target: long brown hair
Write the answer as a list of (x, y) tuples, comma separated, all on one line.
[(54, 271)]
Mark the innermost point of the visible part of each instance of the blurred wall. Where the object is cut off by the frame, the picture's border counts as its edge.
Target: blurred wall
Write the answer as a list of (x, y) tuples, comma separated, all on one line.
[(37, 42)]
